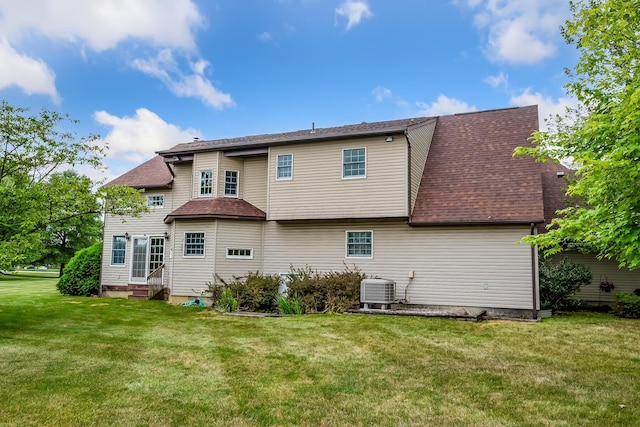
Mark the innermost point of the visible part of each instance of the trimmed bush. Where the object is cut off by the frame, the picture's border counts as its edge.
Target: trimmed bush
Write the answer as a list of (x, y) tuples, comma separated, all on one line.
[(559, 283), (81, 276), (331, 292), (627, 305), (253, 292)]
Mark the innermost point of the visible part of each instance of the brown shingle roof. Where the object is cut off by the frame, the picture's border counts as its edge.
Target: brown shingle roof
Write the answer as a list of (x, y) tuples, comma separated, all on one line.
[(223, 208), (470, 175), (318, 134), (154, 173), (554, 186)]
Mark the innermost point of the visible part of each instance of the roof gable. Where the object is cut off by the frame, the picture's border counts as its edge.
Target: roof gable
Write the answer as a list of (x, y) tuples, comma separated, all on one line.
[(471, 175), (154, 173)]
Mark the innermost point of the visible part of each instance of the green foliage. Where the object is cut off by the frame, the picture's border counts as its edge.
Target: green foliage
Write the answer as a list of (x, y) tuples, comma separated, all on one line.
[(627, 305), (227, 302), (601, 136), (45, 214), (559, 283), (81, 277), (289, 305), (330, 292), (254, 292)]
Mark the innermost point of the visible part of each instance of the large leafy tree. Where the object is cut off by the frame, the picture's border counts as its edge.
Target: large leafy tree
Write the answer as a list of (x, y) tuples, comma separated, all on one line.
[(46, 212), (602, 136)]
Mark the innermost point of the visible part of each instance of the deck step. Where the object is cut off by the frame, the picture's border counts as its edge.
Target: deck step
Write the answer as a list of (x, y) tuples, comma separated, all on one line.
[(138, 297)]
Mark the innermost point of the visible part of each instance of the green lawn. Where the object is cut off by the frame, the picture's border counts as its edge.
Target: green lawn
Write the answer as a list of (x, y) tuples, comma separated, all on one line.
[(87, 361)]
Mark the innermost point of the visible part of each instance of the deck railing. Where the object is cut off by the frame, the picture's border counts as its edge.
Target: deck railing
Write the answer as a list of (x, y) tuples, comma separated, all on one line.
[(155, 282)]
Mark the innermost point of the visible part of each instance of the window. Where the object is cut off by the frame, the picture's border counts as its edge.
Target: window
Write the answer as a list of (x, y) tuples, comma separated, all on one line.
[(230, 183), (354, 163), (284, 168), (359, 244), (155, 201), (206, 183), (194, 244), (118, 250), (240, 253)]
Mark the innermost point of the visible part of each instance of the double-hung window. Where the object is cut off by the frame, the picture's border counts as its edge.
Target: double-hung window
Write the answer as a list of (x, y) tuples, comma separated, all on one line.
[(354, 163), (284, 168), (359, 244), (206, 183), (118, 249), (194, 245), (230, 183), (156, 201)]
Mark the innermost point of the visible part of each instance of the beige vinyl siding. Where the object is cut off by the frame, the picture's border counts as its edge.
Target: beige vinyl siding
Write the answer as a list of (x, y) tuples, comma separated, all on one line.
[(150, 224), (238, 235), (230, 164), (189, 275), (318, 191), (420, 140), (451, 265), (182, 189), (255, 182), (202, 162), (623, 279)]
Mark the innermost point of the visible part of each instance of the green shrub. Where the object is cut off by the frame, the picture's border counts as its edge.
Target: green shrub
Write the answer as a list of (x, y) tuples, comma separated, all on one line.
[(253, 292), (627, 305), (81, 276), (331, 292), (227, 302), (559, 283)]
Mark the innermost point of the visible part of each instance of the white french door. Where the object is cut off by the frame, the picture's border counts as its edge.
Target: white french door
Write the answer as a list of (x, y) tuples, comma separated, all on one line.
[(147, 254)]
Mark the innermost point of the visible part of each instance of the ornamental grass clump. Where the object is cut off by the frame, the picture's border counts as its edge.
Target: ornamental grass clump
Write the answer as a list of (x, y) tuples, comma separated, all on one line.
[(289, 305)]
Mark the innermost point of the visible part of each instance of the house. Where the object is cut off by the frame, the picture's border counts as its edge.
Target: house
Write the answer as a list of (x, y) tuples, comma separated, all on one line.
[(435, 204)]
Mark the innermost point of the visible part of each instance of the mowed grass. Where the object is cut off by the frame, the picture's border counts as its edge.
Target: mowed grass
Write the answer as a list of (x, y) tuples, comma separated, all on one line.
[(88, 361)]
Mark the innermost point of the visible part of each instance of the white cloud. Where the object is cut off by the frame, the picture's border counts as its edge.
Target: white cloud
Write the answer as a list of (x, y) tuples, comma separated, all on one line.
[(137, 138), (101, 25), (166, 68), (31, 75), (547, 106), (354, 11), (443, 106), (266, 37), (380, 93), (501, 80), (519, 31)]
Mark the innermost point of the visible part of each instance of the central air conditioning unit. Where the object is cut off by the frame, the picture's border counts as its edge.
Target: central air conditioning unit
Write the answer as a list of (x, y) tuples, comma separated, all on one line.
[(377, 291)]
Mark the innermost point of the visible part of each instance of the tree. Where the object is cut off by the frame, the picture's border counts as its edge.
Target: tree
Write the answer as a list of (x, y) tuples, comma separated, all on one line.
[(601, 136), (38, 200), (63, 237)]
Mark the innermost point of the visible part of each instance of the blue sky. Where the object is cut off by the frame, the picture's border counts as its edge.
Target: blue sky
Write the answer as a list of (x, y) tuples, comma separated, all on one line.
[(148, 74)]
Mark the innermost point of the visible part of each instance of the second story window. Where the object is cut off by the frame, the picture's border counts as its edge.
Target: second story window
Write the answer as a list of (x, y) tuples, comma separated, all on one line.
[(156, 201), (206, 183), (230, 183), (354, 163), (284, 168)]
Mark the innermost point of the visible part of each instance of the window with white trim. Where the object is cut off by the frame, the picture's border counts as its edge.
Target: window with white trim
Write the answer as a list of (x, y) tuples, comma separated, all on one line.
[(284, 167), (194, 244), (230, 183), (359, 244), (118, 250), (238, 253), (155, 201), (206, 183), (354, 163)]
